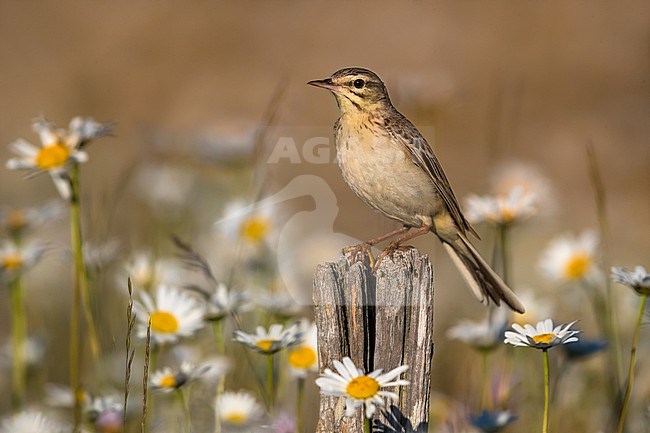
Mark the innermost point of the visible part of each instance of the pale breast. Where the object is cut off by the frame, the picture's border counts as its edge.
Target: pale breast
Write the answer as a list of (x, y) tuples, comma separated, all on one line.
[(384, 176)]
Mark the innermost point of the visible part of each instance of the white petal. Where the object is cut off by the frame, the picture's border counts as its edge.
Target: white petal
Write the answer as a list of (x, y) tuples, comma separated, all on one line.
[(397, 383), (24, 148), (351, 368), (48, 137), (62, 184), (80, 156), (517, 327), (351, 406), (338, 365), (370, 410), (390, 395), (392, 374), (18, 164)]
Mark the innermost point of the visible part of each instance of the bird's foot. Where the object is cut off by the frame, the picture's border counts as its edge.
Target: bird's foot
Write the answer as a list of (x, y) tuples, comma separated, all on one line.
[(360, 252), (390, 249)]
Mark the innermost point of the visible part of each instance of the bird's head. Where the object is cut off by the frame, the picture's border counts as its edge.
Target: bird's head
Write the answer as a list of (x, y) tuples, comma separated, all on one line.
[(355, 89)]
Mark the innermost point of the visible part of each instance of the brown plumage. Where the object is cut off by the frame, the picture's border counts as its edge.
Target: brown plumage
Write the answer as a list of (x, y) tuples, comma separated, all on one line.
[(392, 168)]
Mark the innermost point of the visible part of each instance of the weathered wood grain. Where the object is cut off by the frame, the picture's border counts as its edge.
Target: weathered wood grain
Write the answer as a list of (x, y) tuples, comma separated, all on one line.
[(380, 319)]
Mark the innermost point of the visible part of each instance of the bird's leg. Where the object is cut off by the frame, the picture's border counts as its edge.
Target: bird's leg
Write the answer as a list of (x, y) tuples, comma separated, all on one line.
[(407, 237), (353, 251), (378, 239), (397, 242), (365, 247)]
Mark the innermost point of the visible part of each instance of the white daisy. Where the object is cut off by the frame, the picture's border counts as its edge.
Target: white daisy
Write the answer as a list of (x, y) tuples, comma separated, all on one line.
[(278, 304), (543, 336), (34, 350), (15, 260), (571, 259), (86, 129), (17, 221), (93, 406), (518, 174), (147, 271), (62, 396), (167, 379), (31, 421), (174, 314), (238, 411), (304, 356), (358, 388), (251, 223), (483, 335), (638, 279), (271, 341), (58, 148), (223, 301), (518, 205)]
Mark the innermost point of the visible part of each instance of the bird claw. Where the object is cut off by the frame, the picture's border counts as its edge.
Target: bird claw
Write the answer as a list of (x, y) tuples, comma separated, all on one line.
[(389, 250), (359, 253)]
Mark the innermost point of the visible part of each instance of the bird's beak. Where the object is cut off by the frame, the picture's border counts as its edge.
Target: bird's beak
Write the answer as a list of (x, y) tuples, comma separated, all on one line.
[(325, 84)]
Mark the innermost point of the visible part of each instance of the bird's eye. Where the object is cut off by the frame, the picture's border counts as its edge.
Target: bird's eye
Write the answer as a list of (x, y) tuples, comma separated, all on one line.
[(359, 83)]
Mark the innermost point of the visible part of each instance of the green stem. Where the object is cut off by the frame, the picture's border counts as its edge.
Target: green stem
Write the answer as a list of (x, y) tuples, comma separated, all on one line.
[(218, 336), (186, 411), (630, 371), (602, 317), (367, 424), (546, 392), (221, 384), (81, 273), (75, 342), (600, 199), (270, 381), (485, 403), (300, 395), (503, 240), (18, 335)]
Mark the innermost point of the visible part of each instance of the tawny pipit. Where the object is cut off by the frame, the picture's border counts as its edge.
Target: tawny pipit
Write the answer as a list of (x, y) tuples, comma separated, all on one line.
[(392, 168)]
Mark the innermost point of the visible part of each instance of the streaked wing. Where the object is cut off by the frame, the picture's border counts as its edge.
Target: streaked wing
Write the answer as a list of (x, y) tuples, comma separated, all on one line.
[(415, 145)]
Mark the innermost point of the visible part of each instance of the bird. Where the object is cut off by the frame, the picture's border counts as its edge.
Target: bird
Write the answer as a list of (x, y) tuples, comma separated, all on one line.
[(390, 166)]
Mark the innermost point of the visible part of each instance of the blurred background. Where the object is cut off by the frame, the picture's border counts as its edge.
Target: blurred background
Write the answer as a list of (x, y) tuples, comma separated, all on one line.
[(204, 92)]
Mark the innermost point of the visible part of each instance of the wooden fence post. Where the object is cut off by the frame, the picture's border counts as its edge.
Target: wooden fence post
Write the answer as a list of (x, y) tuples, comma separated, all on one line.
[(380, 319)]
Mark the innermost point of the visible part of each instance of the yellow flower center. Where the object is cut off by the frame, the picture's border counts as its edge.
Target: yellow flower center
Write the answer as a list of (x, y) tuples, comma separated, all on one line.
[(52, 156), (362, 387), (302, 357), (265, 345), (164, 322), (12, 262), (16, 219), (543, 338), (168, 381), (235, 417), (254, 229), (507, 215), (577, 266)]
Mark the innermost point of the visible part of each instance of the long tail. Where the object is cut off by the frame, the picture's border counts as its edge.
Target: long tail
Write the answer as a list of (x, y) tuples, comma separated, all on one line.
[(480, 277)]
